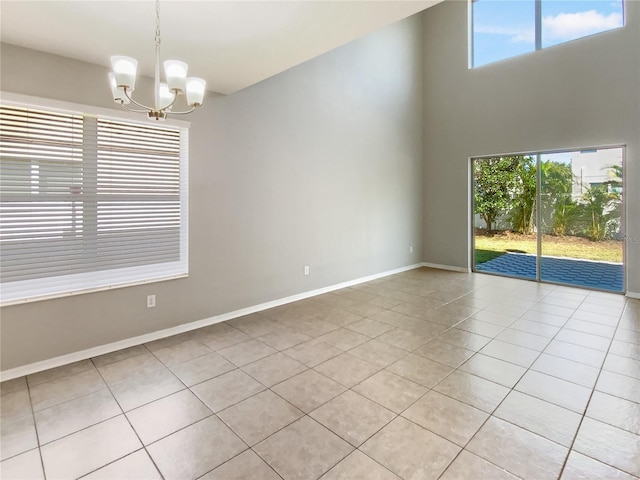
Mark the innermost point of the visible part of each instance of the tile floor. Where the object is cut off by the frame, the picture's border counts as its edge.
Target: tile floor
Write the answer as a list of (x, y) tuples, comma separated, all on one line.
[(421, 375)]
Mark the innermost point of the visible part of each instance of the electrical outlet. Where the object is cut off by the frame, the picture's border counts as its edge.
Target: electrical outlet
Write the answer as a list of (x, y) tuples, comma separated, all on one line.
[(306, 269), (151, 301), (411, 249)]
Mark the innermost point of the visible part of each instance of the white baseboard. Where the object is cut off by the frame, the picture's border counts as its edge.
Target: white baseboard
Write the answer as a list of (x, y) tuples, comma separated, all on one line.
[(450, 268), (186, 327), (633, 294)]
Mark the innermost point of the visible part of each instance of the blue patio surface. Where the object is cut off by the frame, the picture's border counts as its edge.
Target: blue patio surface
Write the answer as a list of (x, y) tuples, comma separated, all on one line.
[(582, 273)]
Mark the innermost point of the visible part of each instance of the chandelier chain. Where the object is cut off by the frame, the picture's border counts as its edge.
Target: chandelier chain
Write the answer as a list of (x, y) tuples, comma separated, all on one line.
[(158, 23)]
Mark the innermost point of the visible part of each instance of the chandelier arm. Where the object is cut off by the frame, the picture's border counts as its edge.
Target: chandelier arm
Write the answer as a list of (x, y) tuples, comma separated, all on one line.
[(182, 113), (135, 110), (146, 109)]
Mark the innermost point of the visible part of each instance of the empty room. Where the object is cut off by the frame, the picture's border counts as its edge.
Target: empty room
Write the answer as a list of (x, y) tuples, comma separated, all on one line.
[(320, 239)]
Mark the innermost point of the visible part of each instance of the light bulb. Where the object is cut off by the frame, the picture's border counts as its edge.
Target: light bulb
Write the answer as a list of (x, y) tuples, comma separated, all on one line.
[(175, 72), (124, 71), (195, 91), (118, 93)]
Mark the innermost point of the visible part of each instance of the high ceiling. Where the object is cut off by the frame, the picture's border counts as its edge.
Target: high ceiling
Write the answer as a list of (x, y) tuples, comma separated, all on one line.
[(231, 44)]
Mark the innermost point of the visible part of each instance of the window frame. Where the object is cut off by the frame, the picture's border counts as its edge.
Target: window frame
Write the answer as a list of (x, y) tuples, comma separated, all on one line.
[(119, 277), (537, 32)]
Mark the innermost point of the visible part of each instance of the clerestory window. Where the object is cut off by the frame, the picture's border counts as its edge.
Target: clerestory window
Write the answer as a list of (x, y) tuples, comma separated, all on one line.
[(501, 29)]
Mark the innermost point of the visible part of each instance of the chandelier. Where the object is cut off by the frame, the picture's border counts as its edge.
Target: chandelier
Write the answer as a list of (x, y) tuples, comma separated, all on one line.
[(122, 79)]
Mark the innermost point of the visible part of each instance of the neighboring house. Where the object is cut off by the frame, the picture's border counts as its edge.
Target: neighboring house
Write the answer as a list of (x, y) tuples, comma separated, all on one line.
[(592, 168)]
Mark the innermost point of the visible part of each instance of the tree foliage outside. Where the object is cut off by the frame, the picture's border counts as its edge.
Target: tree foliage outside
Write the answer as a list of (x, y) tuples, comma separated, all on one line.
[(596, 211), (495, 182), (600, 209), (523, 208), (557, 206), (505, 187)]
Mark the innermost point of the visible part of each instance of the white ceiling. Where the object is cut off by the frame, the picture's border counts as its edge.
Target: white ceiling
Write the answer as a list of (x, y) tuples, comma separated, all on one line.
[(231, 44)]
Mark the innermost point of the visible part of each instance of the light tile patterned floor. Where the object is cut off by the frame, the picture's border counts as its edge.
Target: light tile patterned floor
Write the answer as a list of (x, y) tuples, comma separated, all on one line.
[(421, 375)]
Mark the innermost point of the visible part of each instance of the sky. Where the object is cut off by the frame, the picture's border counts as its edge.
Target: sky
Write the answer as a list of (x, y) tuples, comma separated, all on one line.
[(505, 28)]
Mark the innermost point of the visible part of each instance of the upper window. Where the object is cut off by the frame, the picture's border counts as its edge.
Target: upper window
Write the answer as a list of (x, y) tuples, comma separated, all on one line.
[(88, 202), (506, 28)]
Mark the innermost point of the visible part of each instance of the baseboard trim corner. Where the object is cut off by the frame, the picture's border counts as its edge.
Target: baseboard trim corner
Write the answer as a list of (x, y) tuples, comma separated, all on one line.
[(633, 294)]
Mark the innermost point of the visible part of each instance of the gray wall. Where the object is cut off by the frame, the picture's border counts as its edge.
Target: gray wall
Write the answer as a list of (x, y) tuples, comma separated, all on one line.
[(318, 166), (578, 94)]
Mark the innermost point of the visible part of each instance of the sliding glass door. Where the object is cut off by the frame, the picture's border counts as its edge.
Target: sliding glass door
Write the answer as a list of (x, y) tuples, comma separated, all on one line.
[(553, 217), (581, 225), (504, 215)]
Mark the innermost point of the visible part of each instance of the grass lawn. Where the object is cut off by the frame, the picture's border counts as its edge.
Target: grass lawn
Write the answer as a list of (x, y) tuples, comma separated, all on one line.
[(493, 245)]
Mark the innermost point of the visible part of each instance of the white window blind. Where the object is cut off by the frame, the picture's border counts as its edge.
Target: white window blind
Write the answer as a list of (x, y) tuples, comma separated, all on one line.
[(88, 203)]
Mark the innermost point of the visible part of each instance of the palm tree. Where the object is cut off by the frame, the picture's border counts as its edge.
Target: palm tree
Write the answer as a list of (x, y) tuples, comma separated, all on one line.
[(558, 207), (601, 205), (524, 200)]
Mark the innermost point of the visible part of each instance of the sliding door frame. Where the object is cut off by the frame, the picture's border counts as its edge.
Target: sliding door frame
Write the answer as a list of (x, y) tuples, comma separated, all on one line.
[(538, 212)]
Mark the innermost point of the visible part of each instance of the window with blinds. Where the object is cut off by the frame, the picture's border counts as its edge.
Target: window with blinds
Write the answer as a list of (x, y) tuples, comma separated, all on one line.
[(88, 203)]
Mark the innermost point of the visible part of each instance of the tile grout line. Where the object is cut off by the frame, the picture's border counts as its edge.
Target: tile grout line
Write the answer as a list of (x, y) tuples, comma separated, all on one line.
[(407, 353), (586, 408), (35, 427), (450, 373), (432, 388), (249, 448), (396, 415), (144, 447), (512, 389), (490, 414)]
